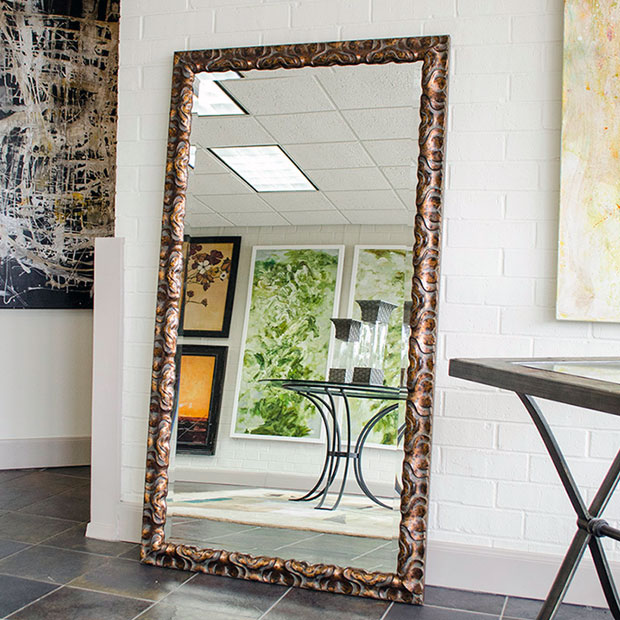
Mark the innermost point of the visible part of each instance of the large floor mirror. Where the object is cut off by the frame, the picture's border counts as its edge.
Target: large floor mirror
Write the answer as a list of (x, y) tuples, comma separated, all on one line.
[(293, 373)]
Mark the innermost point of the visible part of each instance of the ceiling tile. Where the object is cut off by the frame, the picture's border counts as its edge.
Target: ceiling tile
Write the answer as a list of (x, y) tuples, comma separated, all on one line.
[(195, 205), (242, 203), (288, 95), (208, 131), (284, 202), (307, 128), (401, 177), (380, 217), (351, 178), (206, 163), (204, 220), (365, 200), (374, 86), (218, 184), (382, 123), (256, 219), (312, 218), (329, 155), (407, 197), (392, 152)]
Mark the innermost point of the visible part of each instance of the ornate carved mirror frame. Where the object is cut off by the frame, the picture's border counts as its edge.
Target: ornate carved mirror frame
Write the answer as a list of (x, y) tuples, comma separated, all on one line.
[(407, 583)]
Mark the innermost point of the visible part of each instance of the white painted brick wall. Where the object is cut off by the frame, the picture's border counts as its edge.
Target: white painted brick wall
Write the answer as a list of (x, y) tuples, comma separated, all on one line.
[(492, 485)]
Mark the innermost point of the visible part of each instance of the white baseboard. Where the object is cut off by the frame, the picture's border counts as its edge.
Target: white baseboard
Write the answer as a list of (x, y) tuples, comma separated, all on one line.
[(452, 565), (45, 452), (271, 480)]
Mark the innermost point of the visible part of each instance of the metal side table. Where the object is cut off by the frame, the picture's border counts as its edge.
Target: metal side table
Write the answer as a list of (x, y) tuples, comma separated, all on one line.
[(591, 383), (341, 445)]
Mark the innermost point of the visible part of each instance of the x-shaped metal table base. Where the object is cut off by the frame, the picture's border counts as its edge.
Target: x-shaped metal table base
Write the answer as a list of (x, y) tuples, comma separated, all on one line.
[(591, 527)]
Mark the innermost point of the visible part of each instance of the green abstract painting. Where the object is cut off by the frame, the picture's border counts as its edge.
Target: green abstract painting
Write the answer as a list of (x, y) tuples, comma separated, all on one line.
[(383, 273), (294, 292)]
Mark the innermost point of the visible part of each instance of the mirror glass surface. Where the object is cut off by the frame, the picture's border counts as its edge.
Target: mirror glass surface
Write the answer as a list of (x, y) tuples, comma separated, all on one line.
[(333, 228)]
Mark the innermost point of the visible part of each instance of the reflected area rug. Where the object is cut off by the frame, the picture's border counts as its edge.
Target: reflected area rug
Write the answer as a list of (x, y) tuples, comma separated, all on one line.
[(355, 516)]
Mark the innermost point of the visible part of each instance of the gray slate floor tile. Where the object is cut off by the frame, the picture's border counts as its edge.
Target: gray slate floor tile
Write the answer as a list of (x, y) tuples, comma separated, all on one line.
[(167, 611), (16, 592), (463, 599), (49, 565), (71, 604), (76, 472), (524, 608), (33, 529), (311, 605), (222, 595), (128, 578), (75, 540), (73, 504), (400, 611), (9, 547)]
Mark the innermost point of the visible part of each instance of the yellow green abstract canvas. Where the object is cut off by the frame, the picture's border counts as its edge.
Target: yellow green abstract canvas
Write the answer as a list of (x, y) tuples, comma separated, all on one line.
[(589, 244)]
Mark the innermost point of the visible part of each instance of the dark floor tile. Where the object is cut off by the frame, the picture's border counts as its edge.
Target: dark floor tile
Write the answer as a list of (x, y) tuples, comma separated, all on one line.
[(35, 487), (463, 599), (131, 554), (48, 564), (75, 539), (80, 471), (196, 531), (400, 611), (31, 528), (127, 578), (227, 596), (9, 547), (525, 608), (10, 474), (167, 611), (71, 604), (317, 557), (311, 605), (16, 592), (73, 504)]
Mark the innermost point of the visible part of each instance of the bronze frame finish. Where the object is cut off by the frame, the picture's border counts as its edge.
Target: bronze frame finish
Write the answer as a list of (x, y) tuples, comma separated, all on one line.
[(407, 584)]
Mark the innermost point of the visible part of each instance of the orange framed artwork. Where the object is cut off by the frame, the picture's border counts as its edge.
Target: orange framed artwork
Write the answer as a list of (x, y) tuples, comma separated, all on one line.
[(209, 285), (199, 395)]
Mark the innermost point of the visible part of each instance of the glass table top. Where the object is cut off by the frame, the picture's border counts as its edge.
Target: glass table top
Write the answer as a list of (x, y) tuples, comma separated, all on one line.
[(603, 370)]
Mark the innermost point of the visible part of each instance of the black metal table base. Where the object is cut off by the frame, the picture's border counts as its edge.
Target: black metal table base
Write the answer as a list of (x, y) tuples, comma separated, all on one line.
[(590, 526), (339, 449)]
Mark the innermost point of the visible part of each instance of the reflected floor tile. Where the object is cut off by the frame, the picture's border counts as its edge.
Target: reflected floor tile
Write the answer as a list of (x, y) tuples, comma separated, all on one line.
[(49, 564), (311, 605), (127, 578), (204, 529), (224, 595), (524, 608), (351, 545), (10, 474), (76, 540), (71, 604), (462, 599), (31, 528), (16, 592), (273, 537)]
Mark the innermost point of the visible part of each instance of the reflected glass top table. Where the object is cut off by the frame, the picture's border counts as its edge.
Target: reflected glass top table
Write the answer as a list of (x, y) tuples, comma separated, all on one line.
[(341, 446), (591, 383)]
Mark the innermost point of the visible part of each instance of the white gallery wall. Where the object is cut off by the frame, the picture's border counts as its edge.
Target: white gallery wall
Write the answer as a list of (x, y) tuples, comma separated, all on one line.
[(45, 382), (493, 489)]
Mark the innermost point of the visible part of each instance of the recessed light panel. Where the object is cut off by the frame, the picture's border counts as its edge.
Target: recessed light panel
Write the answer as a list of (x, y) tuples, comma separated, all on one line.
[(265, 168), (210, 99)]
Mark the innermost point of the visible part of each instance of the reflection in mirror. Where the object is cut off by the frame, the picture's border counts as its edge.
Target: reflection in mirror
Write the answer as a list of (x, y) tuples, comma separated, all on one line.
[(300, 204)]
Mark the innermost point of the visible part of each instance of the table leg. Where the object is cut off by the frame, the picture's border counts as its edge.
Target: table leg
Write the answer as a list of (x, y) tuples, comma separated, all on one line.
[(591, 526), (329, 453), (359, 447)]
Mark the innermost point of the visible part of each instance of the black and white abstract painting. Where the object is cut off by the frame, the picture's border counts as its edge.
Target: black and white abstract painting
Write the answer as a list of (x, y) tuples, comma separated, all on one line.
[(59, 61)]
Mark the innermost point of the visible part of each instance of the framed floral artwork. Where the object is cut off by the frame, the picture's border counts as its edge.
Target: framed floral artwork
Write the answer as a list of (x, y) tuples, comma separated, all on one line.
[(210, 275), (199, 396)]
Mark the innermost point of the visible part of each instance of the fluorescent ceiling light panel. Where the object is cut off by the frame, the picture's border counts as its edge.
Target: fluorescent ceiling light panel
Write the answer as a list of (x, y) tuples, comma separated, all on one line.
[(265, 168), (210, 99)]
